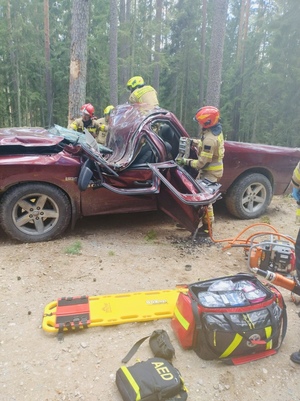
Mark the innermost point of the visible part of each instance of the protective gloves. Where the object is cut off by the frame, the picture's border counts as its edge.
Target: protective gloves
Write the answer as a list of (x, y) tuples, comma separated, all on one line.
[(102, 127), (296, 194), (180, 161), (183, 162)]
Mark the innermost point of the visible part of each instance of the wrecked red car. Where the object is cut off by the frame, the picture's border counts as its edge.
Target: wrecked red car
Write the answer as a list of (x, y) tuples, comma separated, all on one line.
[(51, 178)]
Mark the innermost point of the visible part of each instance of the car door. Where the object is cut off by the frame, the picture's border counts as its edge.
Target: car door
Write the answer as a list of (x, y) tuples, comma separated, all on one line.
[(181, 197), (152, 186), (120, 189)]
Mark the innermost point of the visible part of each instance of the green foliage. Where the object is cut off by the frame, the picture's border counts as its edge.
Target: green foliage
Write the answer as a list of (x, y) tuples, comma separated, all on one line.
[(74, 249), (261, 90), (265, 219), (151, 235)]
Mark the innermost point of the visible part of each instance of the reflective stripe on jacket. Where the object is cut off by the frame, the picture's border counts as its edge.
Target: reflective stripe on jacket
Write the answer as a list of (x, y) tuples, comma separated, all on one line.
[(211, 153), (296, 176), (146, 94), (78, 125)]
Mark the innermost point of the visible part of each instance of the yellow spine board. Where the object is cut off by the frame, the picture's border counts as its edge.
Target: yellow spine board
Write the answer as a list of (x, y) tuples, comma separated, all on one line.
[(109, 310)]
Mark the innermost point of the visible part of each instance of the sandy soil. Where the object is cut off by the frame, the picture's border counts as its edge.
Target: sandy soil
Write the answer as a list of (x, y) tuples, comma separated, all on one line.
[(120, 254)]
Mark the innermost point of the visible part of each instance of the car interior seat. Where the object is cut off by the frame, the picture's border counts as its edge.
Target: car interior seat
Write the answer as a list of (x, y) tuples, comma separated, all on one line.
[(168, 136), (145, 155)]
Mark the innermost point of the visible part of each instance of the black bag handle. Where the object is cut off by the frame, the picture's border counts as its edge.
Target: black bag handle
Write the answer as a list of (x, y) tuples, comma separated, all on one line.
[(160, 345), (198, 324), (134, 349)]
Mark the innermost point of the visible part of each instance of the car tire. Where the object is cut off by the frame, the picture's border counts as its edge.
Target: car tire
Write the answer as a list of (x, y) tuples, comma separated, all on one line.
[(249, 196), (34, 212)]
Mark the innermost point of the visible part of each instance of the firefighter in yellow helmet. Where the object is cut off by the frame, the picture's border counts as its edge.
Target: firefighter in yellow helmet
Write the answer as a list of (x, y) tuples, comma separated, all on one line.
[(103, 123), (295, 356), (86, 121), (210, 154), (141, 93)]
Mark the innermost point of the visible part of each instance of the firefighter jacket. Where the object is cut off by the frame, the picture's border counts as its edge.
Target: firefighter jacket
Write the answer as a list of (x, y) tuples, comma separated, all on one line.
[(211, 153), (91, 125), (296, 177), (101, 138), (145, 94)]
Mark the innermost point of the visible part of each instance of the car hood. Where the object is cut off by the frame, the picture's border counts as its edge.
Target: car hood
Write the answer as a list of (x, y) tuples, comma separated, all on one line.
[(29, 137), (37, 138)]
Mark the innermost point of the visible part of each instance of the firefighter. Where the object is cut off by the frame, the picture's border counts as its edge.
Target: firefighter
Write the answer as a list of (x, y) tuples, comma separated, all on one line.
[(103, 123), (141, 93), (295, 357), (86, 121), (211, 153)]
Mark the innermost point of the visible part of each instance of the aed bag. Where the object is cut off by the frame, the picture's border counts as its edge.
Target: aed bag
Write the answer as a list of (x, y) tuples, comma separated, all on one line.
[(234, 318), (153, 380)]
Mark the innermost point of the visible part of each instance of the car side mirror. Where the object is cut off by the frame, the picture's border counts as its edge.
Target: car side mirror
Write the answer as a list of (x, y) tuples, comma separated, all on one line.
[(85, 175)]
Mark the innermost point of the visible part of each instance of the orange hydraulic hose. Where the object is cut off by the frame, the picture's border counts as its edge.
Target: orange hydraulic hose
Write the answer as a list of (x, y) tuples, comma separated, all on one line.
[(238, 241), (274, 278)]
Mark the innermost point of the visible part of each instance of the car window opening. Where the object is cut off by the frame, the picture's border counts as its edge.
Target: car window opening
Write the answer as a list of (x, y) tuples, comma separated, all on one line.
[(171, 140), (147, 153)]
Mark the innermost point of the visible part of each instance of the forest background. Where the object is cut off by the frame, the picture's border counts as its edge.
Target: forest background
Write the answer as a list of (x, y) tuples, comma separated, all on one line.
[(242, 56)]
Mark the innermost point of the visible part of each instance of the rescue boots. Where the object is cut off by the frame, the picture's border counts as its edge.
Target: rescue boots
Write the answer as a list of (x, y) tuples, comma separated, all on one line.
[(203, 231), (295, 357)]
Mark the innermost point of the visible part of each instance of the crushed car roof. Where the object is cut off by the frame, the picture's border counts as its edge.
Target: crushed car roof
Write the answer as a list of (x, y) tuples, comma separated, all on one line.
[(126, 121)]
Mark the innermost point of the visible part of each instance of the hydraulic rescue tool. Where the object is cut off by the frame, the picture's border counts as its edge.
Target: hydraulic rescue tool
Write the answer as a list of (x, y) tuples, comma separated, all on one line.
[(278, 279)]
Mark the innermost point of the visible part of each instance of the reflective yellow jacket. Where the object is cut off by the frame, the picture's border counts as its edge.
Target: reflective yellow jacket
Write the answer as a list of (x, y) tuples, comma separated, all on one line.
[(296, 176), (211, 153), (146, 94), (93, 127), (101, 138)]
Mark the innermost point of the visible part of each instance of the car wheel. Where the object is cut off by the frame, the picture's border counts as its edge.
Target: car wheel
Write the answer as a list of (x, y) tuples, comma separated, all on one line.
[(249, 196), (34, 212)]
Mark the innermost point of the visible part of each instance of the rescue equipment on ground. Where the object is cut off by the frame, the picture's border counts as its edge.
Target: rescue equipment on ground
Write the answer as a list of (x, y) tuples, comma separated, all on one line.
[(160, 345), (272, 254), (244, 242), (153, 380), (266, 249), (72, 313), (236, 319), (278, 279)]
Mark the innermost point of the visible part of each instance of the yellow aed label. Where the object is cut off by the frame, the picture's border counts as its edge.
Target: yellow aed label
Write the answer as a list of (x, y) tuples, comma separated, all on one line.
[(162, 370)]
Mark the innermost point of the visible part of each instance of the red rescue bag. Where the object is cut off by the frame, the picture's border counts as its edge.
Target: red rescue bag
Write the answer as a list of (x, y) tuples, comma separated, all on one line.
[(235, 318)]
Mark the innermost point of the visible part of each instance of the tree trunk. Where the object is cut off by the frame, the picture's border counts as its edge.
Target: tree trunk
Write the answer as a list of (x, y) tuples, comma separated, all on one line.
[(134, 28), (216, 53), (78, 61), (113, 52), (157, 46), (15, 100), (202, 52), (48, 78), (240, 57)]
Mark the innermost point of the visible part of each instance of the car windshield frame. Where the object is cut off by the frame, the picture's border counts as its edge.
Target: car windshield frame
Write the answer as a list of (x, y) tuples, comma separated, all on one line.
[(73, 137)]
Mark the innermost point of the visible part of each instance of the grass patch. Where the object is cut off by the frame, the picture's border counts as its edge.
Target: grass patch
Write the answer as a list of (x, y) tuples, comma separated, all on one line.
[(74, 249), (111, 253), (265, 219), (151, 235)]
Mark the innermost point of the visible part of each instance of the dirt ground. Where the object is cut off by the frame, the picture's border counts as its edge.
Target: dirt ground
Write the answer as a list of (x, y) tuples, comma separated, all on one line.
[(119, 254)]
